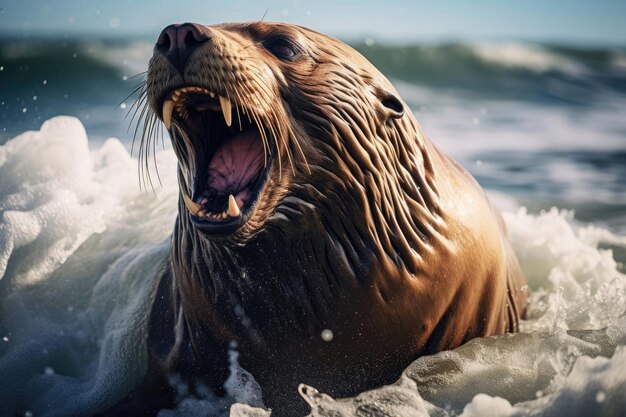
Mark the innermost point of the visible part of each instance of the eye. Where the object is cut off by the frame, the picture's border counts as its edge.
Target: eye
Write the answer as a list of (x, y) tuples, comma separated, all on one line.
[(283, 48)]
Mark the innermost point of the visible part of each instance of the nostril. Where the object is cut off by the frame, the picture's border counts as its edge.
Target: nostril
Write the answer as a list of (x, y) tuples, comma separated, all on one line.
[(166, 38), (190, 39), (164, 42), (191, 35)]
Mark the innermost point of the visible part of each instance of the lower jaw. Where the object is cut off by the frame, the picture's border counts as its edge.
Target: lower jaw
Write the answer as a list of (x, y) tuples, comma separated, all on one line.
[(225, 227), (232, 224)]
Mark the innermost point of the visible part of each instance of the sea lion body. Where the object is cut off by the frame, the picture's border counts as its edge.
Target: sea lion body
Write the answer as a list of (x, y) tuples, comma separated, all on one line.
[(363, 231)]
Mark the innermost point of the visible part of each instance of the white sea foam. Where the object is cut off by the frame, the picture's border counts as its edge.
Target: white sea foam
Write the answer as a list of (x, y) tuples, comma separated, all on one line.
[(81, 246)]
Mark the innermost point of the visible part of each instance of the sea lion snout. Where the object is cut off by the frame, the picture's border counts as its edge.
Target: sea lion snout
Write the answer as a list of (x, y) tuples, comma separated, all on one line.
[(178, 41)]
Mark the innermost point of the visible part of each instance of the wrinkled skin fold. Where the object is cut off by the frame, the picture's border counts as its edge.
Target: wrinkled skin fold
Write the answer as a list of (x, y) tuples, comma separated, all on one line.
[(362, 227)]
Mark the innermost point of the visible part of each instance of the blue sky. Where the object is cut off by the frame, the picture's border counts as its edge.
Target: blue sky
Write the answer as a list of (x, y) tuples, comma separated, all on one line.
[(571, 21)]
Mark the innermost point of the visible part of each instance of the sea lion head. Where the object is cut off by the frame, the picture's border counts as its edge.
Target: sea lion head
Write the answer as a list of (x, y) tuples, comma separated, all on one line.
[(282, 119)]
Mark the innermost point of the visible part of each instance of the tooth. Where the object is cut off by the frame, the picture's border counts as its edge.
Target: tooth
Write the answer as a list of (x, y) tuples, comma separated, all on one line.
[(227, 110), (212, 94), (193, 208), (204, 200), (168, 106), (202, 213), (233, 208), (224, 215)]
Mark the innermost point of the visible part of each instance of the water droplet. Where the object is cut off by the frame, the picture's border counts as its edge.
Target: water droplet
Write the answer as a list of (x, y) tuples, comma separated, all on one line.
[(124, 78), (369, 41), (115, 22), (327, 335), (34, 98), (28, 413), (123, 106), (6, 339), (74, 55), (600, 396), (24, 110), (1, 68), (48, 371), (45, 82)]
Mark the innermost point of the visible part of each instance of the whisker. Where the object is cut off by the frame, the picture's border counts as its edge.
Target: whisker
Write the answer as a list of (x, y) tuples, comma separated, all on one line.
[(295, 140), (137, 75), (137, 104), (238, 115), (144, 112), (154, 160), (137, 88), (264, 14), (263, 134)]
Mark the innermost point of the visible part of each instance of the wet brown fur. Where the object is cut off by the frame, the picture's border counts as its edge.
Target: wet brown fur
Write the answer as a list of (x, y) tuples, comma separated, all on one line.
[(364, 228)]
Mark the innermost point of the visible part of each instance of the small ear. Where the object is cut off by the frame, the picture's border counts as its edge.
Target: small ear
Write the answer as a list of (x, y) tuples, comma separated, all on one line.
[(392, 104)]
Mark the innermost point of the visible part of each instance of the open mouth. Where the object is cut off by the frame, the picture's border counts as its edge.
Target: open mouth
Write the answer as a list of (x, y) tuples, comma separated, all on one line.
[(230, 161)]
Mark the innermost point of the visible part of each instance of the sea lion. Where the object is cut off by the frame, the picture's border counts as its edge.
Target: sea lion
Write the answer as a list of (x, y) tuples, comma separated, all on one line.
[(319, 231)]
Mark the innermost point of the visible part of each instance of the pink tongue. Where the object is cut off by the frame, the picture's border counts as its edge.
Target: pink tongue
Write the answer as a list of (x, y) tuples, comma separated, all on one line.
[(236, 163)]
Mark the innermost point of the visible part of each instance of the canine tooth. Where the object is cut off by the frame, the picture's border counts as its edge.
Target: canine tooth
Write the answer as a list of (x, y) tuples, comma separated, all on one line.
[(194, 208), (227, 110), (233, 208), (168, 106)]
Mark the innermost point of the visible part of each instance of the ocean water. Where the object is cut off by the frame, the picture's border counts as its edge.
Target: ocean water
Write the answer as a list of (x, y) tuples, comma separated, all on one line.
[(542, 128)]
